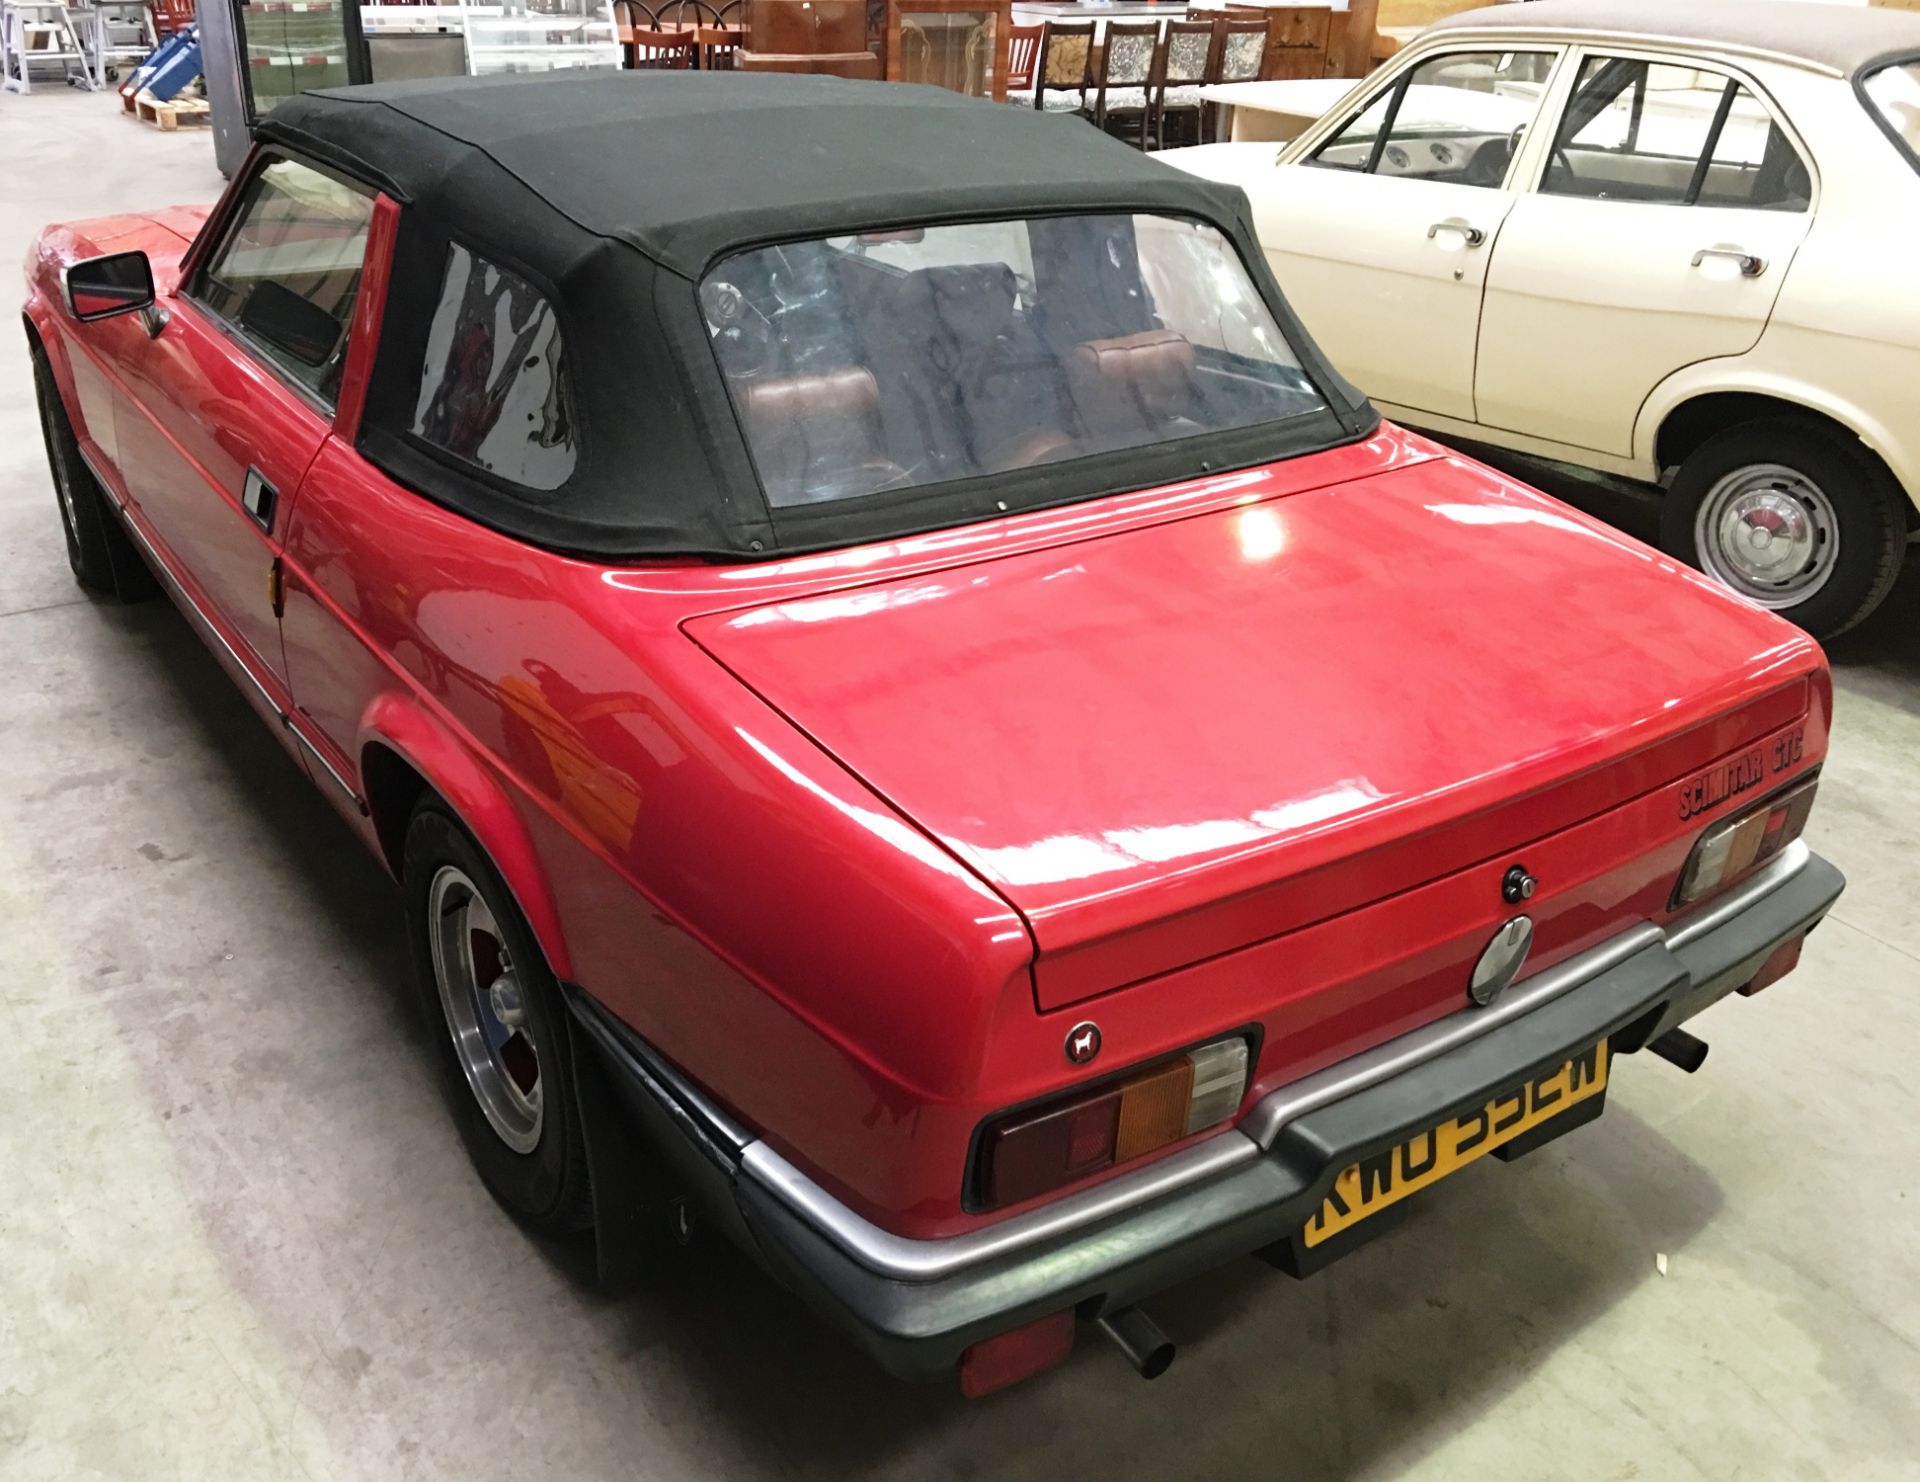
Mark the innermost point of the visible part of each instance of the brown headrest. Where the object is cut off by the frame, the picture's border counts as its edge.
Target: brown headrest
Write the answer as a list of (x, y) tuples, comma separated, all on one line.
[(817, 434), (1147, 375)]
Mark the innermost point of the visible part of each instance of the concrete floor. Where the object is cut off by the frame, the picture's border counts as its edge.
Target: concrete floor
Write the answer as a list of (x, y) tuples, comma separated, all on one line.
[(239, 1239)]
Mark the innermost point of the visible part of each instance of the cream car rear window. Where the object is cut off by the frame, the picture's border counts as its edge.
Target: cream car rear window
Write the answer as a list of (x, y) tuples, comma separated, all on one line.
[(1669, 134)]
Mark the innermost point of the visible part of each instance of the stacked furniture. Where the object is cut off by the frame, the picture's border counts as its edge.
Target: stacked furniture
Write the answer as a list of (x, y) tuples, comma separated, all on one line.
[(1134, 78)]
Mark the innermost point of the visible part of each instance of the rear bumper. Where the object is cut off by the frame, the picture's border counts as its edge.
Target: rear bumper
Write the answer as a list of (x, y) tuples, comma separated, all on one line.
[(916, 1305)]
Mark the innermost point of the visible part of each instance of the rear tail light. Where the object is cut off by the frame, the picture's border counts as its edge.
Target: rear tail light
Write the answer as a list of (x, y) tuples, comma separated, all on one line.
[(1083, 1132), (1744, 842), (994, 1363)]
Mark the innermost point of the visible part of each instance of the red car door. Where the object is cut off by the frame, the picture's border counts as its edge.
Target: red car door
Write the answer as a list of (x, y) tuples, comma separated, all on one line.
[(232, 399)]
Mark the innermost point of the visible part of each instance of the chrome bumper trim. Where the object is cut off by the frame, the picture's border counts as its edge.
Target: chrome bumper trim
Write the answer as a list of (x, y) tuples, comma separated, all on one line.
[(904, 1259)]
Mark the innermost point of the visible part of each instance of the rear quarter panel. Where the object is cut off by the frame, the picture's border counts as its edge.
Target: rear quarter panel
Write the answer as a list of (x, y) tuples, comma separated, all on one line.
[(761, 918), (1844, 337)]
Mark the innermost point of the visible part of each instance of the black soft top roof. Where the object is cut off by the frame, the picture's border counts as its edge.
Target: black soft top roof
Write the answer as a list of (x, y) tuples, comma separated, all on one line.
[(614, 192), (687, 166)]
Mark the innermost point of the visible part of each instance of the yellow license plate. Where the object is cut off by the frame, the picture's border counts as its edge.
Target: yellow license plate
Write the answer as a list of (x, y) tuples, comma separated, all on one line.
[(1369, 1187)]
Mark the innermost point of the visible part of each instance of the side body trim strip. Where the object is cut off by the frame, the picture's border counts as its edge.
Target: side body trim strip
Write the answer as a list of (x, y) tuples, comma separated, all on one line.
[(207, 626)]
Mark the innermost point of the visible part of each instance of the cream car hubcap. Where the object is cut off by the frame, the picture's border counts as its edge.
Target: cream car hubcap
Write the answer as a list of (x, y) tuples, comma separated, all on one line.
[(1769, 532)]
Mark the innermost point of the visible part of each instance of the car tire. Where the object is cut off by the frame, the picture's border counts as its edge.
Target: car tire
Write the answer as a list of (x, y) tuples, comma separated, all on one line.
[(1834, 521), (99, 550), (498, 1024)]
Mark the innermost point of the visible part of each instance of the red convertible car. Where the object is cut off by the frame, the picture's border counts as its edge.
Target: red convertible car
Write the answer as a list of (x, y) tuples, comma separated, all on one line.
[(919, 722)]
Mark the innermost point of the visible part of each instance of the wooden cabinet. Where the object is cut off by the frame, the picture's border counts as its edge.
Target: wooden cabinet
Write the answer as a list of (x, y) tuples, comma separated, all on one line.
[(819, 36)]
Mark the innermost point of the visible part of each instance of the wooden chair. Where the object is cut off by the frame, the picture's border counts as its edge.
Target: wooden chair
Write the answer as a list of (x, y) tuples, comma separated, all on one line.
[(1023, 49), (170, 16), (684, 15), (1239, 54), (1065, 65), (719, 41), (629, 16), (662, 51), (1186, 62), (1242, 55), (1124, 77)]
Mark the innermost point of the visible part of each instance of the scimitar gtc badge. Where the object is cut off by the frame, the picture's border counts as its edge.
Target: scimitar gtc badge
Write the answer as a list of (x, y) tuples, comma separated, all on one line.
[(1083, 1042), (1500, 964)]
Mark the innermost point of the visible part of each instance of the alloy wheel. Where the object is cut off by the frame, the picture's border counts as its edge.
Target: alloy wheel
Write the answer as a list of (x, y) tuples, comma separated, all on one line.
[(484, 1003)]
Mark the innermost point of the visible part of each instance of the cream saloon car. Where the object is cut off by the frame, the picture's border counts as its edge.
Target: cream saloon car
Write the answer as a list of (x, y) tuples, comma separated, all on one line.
[(1670, 241)]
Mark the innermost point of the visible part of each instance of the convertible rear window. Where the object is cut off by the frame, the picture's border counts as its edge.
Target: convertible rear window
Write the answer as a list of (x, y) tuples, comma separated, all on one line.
[(1894, 93), (896, 359)]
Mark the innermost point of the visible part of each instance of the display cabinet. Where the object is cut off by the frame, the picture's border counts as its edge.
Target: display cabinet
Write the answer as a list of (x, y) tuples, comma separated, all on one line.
[(257, 53), (960, 45), (540, 36)]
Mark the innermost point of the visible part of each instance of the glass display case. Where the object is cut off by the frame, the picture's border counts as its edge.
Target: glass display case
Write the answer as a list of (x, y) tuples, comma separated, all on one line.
[(960, 45), (540, 36), (295, 46), (256, 54), (415, 40)]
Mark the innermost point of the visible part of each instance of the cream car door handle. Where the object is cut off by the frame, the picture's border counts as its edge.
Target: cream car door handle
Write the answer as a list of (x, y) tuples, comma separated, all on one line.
[(1471, 233), (1751, 266)]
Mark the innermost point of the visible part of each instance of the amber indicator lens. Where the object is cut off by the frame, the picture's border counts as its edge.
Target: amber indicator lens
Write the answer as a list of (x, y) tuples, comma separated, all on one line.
[(1083, 1132), (1738, 845)]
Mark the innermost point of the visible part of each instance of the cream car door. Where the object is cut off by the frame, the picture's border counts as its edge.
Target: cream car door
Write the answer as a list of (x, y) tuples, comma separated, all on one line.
[(1380, 235), (1670, 203)]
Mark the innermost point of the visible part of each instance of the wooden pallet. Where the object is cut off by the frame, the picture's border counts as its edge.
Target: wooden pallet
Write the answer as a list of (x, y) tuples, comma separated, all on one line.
[(170, 115)]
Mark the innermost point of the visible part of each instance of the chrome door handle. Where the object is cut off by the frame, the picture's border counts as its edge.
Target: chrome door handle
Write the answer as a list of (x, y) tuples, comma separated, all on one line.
[(1751, 266), (258, 497), (1472, 233)]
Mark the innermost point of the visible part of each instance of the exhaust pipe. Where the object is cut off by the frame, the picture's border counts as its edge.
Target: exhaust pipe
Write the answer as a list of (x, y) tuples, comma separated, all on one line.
[(1682, 1049), (1137, 1336)]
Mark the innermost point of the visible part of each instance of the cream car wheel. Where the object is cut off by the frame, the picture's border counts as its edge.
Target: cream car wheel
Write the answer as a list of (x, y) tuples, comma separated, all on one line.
[(1769, 532), (1795, 515)]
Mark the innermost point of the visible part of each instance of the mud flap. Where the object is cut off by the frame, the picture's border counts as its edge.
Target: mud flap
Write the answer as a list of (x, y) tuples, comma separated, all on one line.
[(628, 1221), (1300, 1260), (1577, 1115)]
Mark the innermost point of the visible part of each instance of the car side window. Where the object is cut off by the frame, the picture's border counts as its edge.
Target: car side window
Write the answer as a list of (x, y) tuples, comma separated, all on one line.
[(287, 273), (1636, 130), (1456, 118), (493, 387)]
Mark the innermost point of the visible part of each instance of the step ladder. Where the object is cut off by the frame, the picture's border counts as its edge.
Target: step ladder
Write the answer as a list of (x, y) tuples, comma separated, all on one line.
[(116, 35), (39, 33)]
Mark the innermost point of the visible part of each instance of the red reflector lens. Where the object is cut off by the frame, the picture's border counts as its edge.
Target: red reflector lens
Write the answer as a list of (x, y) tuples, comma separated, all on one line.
[(1028, 1157), (997, 1362), (1786, 957)]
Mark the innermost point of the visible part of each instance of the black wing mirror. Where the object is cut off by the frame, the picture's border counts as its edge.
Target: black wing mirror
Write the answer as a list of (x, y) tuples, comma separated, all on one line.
[(102, 287), (290, 323)]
